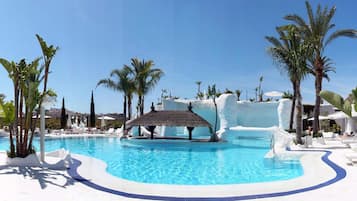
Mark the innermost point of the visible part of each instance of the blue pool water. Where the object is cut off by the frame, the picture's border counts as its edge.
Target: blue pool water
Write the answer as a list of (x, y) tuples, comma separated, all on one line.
[(181, 162)]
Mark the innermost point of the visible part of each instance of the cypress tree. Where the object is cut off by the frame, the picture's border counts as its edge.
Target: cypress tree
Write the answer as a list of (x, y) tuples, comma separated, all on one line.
[(63, 115), (92, 112)]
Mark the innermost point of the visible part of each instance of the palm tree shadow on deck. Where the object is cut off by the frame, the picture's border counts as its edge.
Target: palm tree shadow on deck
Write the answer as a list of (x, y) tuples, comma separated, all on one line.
[(44, 176)]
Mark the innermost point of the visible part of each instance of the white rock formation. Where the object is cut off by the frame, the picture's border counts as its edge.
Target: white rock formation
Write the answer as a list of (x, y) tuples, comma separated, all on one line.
[(232, 113), (227, 110), (284, 111)]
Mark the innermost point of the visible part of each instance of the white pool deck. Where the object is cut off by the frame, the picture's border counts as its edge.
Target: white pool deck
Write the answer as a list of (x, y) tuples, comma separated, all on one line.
[(25, 183)]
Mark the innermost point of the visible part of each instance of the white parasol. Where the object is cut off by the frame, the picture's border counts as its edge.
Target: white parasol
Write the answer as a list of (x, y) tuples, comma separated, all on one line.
[(273, 94)]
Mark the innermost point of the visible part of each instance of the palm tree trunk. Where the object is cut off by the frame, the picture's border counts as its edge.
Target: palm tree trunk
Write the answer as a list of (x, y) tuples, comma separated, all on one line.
[(47, 67), (292, 113), (12, 147), (214, 137), (129, 107), (139, 104), (28, 116), (124, 108), (298, 114), (21, 122), (318, 86), (142, 106), (16, 117)]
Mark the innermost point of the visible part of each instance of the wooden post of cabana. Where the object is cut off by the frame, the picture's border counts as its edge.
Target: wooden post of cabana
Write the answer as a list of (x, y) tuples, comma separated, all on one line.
[(190, 129), (151, 129)]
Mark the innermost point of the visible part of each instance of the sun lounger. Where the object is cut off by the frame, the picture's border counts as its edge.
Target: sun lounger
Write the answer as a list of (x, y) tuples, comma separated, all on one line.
[(110, 131), (118, 131), (352, 156), (59, 159)]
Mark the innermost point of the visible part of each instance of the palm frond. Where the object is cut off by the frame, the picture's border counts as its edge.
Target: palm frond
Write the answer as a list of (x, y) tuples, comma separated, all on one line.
[(310, 14), (350, 33), (108, 83)]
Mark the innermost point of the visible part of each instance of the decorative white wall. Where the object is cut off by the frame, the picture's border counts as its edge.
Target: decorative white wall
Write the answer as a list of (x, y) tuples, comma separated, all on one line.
[(232, 113)]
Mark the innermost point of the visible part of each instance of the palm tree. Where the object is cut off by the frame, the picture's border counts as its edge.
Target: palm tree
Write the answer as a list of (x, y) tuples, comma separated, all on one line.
[(238, 93), (32, 97), (256, 93), (12, 70), (213, 93), (260, 92), (145, 77), (316, 32), (123, 83), (291, 53), (26, 79), (198, 89), (48, 53), (288, 95)]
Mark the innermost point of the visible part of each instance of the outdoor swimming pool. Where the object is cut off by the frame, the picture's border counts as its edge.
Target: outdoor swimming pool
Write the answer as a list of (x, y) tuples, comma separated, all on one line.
[(179, 161)]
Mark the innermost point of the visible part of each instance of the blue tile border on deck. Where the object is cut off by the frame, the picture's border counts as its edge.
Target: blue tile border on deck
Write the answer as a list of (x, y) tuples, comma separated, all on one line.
[(340, 174)]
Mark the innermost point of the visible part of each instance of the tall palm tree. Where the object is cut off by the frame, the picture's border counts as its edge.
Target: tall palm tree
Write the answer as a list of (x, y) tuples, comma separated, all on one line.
[(238, 93), (32, 97), (291, 53), (145, 77), (26, 79), (122, 82), (48, 53), (198, 88), (316, 32), (14, 74), (260, 92)]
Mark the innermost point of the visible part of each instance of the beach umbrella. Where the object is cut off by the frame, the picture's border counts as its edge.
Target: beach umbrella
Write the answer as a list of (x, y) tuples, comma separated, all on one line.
[(39, 116), (103, 119), (320, 118), (69, 121), (273, 94), (106, 118), (102, 123), (338, 115)]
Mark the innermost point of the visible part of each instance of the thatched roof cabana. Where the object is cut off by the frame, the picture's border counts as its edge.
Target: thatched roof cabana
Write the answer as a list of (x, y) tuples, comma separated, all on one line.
[(155, 118)]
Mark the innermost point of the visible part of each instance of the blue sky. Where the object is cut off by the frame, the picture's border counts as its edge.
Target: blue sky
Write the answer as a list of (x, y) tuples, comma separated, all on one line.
[(214, 41)]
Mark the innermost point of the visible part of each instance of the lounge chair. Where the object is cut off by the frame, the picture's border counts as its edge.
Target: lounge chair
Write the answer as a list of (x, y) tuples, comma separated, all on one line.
[(352, 156), (59, 159), (110, 131), (119, 131)]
